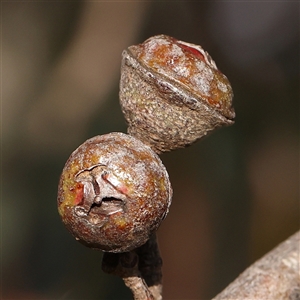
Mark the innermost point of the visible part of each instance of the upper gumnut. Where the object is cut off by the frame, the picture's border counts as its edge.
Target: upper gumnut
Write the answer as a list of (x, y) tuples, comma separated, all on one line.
[(190, 66)]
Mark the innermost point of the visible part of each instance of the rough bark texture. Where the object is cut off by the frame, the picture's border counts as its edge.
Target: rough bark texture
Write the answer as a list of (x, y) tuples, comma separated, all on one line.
[(140, 269), (275, 276)]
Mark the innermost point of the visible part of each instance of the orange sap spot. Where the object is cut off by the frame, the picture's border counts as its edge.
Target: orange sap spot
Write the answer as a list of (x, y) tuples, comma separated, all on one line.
[(79, 193)]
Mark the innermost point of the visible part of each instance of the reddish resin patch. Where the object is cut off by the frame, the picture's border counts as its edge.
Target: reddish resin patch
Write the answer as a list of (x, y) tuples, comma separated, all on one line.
[(116, 183), (123, 189), (78, 193), (193, 51)]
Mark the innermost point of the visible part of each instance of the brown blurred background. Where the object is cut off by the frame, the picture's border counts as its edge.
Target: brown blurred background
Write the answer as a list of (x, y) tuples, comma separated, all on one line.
[(236, 192)]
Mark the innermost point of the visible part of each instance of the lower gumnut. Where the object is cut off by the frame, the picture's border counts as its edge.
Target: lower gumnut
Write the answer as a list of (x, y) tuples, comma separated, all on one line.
[(113, 193)]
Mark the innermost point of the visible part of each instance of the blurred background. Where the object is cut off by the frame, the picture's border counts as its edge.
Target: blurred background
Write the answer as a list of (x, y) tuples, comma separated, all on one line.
[(236, 192)]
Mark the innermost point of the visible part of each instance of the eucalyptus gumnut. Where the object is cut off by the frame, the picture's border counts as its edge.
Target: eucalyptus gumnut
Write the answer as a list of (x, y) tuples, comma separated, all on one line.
[(113, 193), (172, 93)]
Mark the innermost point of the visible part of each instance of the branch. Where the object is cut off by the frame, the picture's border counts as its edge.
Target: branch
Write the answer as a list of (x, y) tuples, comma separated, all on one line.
[(140, 269), (150, 264), (275, 276)]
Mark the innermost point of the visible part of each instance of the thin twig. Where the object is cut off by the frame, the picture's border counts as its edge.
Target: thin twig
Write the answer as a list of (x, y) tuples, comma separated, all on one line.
[(140, 269), (150, 264)]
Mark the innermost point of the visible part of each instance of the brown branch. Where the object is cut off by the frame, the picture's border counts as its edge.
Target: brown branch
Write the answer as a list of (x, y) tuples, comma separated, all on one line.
[(275, 276), (150, 264), (140, 270)]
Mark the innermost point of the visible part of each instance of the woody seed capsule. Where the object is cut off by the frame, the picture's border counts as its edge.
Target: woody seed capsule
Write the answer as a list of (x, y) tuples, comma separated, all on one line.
[(172, 93), (113, 193)]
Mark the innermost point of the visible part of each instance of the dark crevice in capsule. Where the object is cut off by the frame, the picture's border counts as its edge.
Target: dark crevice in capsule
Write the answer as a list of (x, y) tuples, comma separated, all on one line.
[(112, 199), (108, 206), (96, 186)]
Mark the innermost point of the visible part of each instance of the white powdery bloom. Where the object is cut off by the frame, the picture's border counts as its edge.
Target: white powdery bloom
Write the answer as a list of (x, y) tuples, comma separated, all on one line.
[(222, 87)]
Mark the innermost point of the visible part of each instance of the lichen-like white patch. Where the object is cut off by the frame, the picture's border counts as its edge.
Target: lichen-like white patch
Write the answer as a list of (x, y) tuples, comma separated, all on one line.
[(176, 51), (202, 83), (203, 79), (222, 87), (120, 173), (200, 65), (208, 73), (151, 46), (181, 69)]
